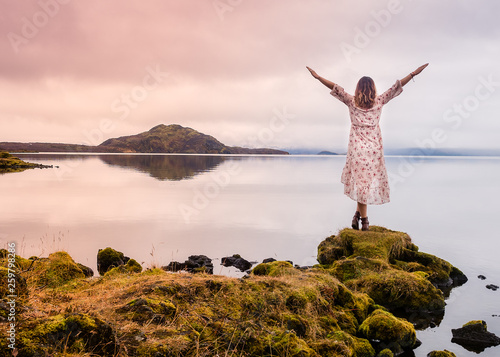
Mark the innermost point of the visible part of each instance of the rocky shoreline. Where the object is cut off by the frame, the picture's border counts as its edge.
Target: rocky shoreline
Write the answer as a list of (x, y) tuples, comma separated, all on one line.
[(9, 163), (366, 297)]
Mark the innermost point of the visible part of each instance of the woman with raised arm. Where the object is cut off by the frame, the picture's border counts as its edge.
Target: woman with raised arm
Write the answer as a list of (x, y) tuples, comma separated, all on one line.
[(364, 175)]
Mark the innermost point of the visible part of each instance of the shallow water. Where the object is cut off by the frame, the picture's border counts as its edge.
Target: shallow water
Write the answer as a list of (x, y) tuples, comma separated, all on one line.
[(159, 208)]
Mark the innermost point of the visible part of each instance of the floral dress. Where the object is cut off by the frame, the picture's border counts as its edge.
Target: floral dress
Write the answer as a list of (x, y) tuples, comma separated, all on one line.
[(365, 176)]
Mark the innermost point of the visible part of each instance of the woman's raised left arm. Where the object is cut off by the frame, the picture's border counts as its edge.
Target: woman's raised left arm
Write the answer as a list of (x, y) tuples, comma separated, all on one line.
[(413, 74)]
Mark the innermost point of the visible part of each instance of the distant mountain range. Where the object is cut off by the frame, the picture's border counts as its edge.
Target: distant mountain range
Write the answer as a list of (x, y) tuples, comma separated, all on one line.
[(160, 139)]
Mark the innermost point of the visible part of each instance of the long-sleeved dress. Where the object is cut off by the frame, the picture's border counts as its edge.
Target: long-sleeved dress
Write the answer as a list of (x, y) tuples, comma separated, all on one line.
[(364, 175)]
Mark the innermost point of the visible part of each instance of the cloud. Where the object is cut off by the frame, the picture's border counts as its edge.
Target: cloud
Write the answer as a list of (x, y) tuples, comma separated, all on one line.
[(228, 71)]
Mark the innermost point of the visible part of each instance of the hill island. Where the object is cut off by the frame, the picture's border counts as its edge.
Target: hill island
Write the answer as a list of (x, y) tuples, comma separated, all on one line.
[(365, 297), (168, 139)]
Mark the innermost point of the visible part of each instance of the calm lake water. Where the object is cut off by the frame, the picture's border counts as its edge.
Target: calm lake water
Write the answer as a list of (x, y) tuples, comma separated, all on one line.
[(159, 208)]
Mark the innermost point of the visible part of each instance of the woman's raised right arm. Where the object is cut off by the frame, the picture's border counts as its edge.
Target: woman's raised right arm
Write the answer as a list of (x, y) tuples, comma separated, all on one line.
[(326, 82)]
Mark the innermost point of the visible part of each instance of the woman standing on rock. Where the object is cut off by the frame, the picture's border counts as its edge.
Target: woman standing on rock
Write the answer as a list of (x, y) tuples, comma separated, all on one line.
[(365, 176)]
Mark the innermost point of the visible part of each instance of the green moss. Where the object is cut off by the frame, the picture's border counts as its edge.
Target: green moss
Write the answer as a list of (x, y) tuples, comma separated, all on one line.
[(109, 258), (378, 243), (477, 322), (132, 267), (350, 345), (288, 344), (399, 290), (390, 330), (385, 353), (277, 268), (296, 324), (148, 310), (9, 163), (55, 271), (74, 333)]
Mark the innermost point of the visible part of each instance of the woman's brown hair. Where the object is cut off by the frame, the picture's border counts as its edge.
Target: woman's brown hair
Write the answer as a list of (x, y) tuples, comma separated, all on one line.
[(365, 94)]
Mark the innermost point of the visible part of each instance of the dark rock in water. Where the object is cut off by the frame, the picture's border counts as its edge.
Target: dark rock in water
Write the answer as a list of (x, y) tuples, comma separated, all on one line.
[(474, 336), (194, 264), (482, 277), (199, 264), (174, 267), (88, 272), (492, 287), (269, 260), (109, 258), (236, 261)]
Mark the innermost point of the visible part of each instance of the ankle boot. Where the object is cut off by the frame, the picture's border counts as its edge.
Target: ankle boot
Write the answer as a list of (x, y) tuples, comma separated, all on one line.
[(365, 225), (355, 220)]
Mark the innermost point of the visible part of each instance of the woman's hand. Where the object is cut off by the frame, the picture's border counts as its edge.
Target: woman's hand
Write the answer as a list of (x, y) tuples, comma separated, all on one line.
[(314, 74), (325, 82), (406, 79), (419, 69)]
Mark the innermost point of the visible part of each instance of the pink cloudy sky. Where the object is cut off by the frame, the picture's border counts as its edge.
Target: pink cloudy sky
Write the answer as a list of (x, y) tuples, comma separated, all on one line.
[(82, 71)]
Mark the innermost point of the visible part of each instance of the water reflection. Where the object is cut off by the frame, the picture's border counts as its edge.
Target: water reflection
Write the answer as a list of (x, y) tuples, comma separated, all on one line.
[(165, 167)]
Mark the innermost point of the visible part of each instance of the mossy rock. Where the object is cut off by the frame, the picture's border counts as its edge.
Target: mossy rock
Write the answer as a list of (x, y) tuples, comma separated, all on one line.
[(76, 333), (54, 271), (387, 266), (440, 272), (340, 343), (388, 331), (132, 267), (289, 344), (377, 243), (444, 353), (385, 353), (401, 291), (277, 268), (109, 258), (88, 272), (148, 310)]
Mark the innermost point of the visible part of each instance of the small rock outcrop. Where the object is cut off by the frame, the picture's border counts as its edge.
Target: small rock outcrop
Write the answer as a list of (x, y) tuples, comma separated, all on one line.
[(384, 331), (194, 264), (56, 270), (474, 336), (108, 259), (388, 267), (236, 261), (88, 272), (9, 163)]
